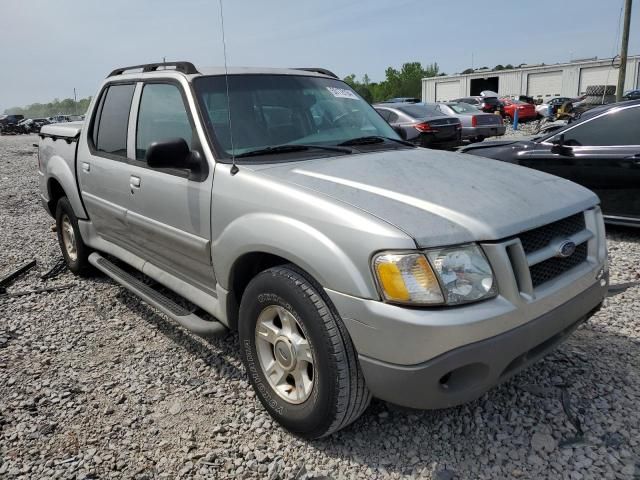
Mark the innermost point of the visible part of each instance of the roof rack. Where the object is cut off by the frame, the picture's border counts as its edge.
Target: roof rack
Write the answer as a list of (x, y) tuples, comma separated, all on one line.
[(323, 71), (184, 67)]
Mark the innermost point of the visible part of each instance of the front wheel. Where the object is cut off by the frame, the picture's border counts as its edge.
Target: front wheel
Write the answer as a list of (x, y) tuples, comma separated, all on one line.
[(298, 354)]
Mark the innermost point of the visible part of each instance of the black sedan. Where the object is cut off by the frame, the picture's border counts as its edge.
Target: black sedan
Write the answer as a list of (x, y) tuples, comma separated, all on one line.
[(600, 150), (422, 124)]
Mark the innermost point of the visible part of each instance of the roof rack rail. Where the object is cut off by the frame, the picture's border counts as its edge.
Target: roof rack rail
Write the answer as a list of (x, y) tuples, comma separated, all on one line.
[(323, 71), (184, 67)]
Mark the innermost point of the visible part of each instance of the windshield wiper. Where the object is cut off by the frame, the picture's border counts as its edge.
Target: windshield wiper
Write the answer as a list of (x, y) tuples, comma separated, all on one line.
[(289, 147), (371, 139)]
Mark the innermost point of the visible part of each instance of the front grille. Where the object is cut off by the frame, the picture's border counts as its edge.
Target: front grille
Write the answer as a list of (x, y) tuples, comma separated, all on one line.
[(552, 267), (538, 238)]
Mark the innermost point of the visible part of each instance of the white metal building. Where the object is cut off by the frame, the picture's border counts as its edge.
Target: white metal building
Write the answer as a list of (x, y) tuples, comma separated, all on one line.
[(543, 81)]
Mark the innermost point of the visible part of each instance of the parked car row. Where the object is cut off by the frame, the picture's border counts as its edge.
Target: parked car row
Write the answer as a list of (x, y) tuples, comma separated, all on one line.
[(599, 150), (18, 125)]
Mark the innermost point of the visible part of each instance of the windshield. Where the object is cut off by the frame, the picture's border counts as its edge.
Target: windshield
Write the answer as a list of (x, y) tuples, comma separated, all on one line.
[(420, 111), (274, 110), (462, 108)]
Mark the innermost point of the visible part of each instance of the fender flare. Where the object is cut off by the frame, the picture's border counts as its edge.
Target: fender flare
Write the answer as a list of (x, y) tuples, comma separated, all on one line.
[(301, 244), (58, 169)]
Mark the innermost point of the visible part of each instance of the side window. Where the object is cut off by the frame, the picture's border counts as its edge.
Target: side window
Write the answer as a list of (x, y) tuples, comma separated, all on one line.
[(393, 117), (385, 113), (162, 115), (615, 128), (112, 120)]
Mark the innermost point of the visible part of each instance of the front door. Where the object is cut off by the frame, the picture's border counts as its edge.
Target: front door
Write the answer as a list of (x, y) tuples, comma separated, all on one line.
[(170, 213)]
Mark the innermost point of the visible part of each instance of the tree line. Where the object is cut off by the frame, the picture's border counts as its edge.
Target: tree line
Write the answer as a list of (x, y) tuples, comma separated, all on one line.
[(68, 106), (406, 82)]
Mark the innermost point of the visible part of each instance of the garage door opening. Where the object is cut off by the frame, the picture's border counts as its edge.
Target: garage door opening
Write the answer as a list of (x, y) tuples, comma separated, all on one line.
[(480, 84)]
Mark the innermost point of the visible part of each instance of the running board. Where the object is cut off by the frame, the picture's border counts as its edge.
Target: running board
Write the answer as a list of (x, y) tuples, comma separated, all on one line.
[(188, 320)]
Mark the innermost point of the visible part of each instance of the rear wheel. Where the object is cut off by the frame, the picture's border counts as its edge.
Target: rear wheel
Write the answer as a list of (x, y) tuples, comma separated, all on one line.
[(74, 251), (299, 355)]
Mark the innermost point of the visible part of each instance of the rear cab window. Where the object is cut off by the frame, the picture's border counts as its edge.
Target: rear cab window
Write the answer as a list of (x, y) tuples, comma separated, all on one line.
[(111, 122)]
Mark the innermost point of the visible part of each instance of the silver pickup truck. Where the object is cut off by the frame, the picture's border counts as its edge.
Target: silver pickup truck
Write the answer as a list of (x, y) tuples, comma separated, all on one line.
[(351, 263)]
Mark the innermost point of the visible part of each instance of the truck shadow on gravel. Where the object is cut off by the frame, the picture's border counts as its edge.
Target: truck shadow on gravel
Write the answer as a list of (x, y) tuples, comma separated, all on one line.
[(218, 352)]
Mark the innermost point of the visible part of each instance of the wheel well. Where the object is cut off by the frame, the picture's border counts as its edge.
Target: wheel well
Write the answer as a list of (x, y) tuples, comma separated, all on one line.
[(244, 269), (56, 192)]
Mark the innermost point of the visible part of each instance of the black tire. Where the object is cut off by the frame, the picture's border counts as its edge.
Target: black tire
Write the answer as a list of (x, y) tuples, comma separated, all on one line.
[(599, 99), (600, 90), (80, 264), (339, 394)]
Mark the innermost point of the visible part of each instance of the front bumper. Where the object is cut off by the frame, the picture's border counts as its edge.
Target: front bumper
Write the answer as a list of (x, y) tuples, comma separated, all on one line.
[(442, 356), (465, 373)]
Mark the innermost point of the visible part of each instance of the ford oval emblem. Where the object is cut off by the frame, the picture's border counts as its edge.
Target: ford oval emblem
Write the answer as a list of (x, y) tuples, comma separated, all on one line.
[(566, 249)]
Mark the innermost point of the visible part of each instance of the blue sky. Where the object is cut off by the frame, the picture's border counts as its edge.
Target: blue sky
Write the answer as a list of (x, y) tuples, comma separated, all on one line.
[(62, 44)]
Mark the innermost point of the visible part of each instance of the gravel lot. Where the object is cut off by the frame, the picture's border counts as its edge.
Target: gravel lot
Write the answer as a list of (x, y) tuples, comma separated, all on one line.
[(95, 384)]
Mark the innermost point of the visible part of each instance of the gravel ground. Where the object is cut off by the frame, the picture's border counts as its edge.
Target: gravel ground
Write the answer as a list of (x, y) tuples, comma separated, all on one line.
[(525, 129), (95, 384)]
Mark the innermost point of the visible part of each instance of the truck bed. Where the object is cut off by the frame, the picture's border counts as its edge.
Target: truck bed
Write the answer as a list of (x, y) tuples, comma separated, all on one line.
[(68, 129)]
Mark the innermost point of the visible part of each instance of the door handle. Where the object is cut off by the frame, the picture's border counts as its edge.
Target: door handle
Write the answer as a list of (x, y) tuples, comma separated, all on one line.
[(134, 182), (86, 167)]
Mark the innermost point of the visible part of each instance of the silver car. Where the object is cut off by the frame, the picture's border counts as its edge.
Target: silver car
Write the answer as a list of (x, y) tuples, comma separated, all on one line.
[(351, 263), (476, 124), (422, 124)]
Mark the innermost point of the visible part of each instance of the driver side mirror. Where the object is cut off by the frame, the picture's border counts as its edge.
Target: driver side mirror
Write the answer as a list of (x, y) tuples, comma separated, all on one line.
[(560, 148), (171, 153)]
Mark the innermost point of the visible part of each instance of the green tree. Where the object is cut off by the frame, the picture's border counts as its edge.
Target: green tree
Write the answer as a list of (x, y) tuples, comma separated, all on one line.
[(406, 82), (498, 68), (361, 87), (65, 107), (468, 70)]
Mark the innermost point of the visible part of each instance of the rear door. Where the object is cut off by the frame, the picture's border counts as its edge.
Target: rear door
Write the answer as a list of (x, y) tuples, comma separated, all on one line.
[(604, 156), (170, 210), (102, 168)]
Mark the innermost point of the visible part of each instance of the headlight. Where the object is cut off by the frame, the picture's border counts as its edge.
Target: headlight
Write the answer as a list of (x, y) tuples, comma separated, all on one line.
[(407, 278), (464, 272), (451, 276)]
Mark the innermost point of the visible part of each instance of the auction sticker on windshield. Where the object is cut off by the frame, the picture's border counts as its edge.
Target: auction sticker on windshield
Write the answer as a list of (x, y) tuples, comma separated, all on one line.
[(342, 93)]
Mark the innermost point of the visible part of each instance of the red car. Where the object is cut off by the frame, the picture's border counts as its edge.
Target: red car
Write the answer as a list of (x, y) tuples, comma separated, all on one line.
[(526, 111)]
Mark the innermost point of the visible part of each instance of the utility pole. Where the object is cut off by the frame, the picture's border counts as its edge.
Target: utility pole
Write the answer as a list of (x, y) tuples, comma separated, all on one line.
[(75, 102), (624, 47)]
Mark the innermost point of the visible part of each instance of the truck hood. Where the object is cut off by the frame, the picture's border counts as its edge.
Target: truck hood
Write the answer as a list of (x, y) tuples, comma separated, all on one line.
[(440, 198)]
